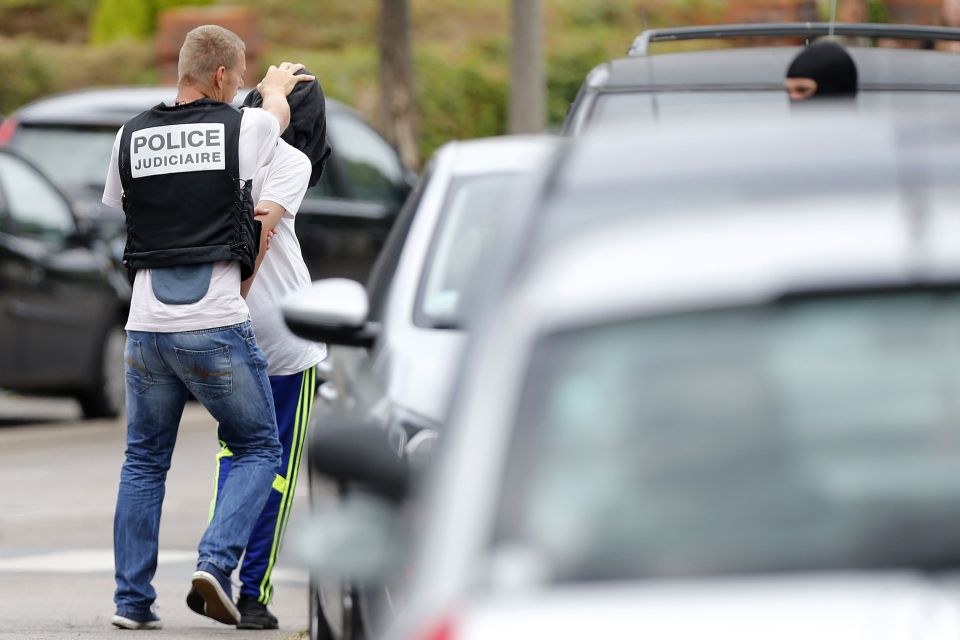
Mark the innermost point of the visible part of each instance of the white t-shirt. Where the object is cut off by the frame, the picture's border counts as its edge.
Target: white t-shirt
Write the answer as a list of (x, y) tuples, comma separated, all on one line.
[(222, 305), (282, 271)]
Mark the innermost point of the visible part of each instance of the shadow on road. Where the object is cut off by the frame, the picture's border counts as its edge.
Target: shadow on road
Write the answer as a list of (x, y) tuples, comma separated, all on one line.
[(24, 421), (19, 411)]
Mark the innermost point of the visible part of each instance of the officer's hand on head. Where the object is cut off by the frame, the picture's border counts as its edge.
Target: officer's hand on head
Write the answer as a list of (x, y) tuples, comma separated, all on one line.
[(282, 78)]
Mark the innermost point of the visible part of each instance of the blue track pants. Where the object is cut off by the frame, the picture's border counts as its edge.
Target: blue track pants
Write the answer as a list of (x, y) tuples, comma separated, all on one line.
[(293, 400)]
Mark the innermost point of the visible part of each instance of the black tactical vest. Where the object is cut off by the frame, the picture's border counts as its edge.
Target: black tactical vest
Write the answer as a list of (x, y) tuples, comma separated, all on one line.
[(182, 194)]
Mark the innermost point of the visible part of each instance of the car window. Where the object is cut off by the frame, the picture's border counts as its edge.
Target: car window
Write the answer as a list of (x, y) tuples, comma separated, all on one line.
[(385, 266), (372, 168), (668, 105), (35, 208), (464, 235), (824, 435), (324, 187), (665, 104), (71, 156)]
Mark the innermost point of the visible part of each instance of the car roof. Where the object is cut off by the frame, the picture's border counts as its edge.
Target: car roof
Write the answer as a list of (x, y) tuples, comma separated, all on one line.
[(111, 106), (644, 267), (823, 143), (502, 154), (771, 246), (764, 68)]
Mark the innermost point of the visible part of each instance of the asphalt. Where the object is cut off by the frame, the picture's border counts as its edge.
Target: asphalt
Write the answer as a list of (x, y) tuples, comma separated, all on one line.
[(58, 483)]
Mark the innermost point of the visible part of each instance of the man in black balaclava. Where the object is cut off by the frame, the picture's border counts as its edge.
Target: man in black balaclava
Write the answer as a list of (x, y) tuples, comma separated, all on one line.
[(824, 70), (308, 123)]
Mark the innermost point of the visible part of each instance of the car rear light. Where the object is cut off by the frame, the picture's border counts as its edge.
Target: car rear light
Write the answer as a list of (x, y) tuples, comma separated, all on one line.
[(442, 630), (7, 129)]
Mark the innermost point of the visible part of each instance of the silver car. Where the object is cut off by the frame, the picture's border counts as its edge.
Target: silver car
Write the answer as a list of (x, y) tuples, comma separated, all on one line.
[(395, 345), (724, 403)]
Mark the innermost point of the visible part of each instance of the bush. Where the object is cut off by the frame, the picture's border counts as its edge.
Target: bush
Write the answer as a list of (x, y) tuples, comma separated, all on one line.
[(316, 24), (31, 69), (460, 100), (60, 20)]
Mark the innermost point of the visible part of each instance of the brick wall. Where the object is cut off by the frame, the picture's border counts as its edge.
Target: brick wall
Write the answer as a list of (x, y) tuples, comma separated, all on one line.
[(914, 11), (174, 24), (751, 11), (748, 11)]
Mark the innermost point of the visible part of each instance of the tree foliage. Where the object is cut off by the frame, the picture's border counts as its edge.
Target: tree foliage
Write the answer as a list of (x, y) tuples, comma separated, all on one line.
[(132, 19)]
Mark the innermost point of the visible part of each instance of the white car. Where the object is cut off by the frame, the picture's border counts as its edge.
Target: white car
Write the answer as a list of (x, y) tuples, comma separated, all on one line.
[(395, 344), (724, 407)]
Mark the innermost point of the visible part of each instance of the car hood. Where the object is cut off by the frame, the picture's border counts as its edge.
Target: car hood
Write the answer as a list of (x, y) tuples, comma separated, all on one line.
[(851, 607)]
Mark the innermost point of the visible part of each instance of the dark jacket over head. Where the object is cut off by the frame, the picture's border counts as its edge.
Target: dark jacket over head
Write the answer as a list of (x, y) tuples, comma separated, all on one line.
[(308, 123)]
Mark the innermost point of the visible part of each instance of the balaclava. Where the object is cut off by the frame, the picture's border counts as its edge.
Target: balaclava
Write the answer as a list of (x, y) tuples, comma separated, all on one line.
[(308, 123), (831, 66)]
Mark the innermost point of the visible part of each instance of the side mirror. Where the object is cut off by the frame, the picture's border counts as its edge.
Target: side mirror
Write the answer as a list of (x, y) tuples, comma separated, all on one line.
[(360, 454), (357, 542), (334, 311)]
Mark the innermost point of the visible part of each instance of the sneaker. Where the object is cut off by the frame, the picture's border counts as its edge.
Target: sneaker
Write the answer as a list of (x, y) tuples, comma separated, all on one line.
[(215, 589), (132, 621), (195, 602), (255, 615)]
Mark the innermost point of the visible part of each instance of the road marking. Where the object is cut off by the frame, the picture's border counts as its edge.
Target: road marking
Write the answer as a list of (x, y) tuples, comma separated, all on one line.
[(101, 560), (80, 561)]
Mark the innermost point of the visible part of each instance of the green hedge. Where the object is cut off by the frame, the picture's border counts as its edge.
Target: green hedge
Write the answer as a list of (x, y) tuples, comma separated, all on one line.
[(30, 69), (462, 74), (59, 20)]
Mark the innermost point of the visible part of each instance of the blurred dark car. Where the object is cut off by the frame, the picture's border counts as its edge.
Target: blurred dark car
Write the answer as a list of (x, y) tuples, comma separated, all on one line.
[(737, 78), (342, 223), (63, 300)]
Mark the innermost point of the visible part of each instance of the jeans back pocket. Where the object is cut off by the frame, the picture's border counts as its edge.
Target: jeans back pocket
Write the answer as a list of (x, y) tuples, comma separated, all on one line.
[(135, 369), (207, 374)]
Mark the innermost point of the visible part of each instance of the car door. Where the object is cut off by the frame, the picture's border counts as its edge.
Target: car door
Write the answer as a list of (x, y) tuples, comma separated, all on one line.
[(346, 216), (56, 301)]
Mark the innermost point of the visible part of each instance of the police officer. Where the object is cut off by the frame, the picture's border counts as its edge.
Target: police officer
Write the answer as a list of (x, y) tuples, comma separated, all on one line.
[(182, 175)]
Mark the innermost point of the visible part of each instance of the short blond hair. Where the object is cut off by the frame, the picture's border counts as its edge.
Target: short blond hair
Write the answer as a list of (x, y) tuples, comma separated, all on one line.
[(206, 49)]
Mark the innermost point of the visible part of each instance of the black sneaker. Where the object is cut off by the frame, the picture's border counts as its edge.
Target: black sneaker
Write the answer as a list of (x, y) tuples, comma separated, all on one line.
[(195, 602), (214, 588), (255, 615)]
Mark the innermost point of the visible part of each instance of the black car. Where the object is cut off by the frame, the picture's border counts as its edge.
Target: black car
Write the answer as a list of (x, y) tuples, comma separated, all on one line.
[(341, 225), (642, 86), (63, 299)]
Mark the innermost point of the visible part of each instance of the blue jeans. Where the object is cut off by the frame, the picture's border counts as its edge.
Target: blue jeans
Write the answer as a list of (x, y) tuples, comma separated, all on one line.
[(226, 371)]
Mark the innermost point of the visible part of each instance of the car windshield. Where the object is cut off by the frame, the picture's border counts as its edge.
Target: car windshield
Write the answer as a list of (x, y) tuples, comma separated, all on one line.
[(71, 156), (670, 105), (463, 238), (818, 433)]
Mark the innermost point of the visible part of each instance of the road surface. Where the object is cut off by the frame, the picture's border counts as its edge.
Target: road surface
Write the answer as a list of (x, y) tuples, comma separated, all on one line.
[(58, 486)]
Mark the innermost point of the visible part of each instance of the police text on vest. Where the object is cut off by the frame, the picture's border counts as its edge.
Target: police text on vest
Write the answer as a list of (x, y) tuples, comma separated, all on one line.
[(177, 148)]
